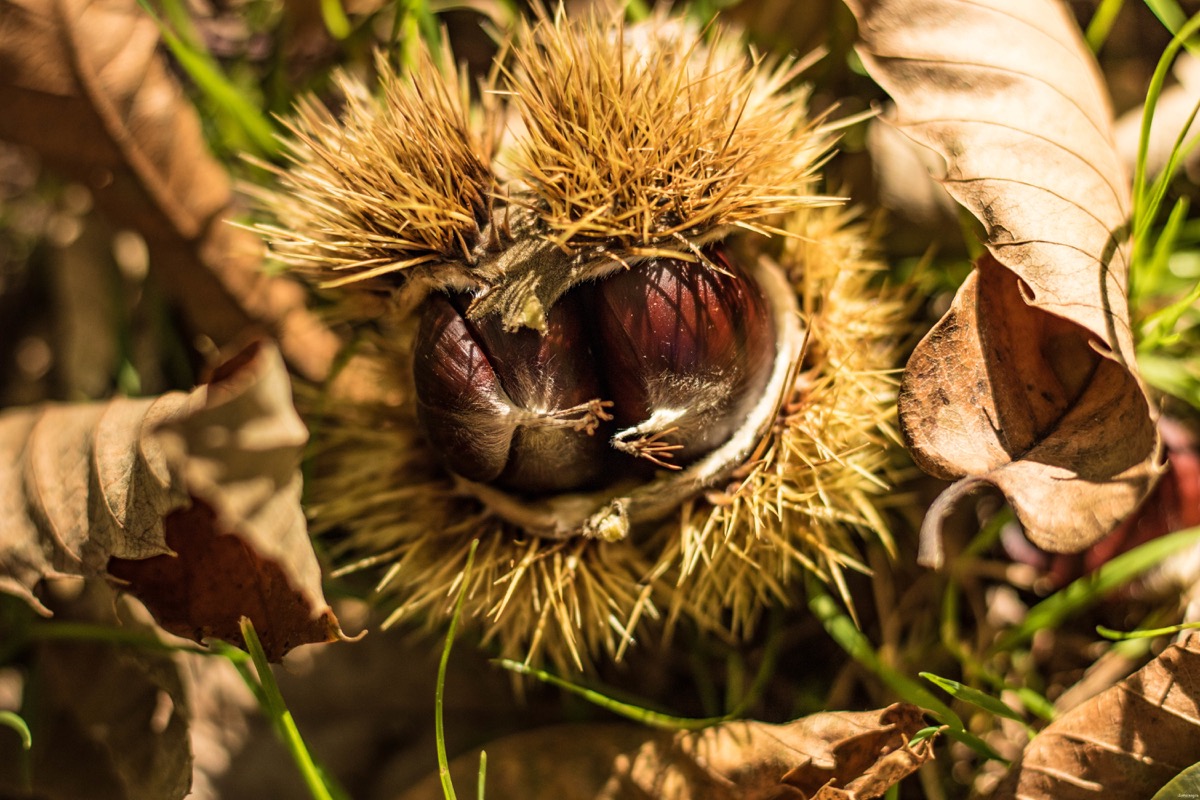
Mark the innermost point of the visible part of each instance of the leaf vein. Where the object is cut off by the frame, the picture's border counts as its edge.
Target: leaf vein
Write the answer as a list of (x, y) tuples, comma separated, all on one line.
[(1098, 126), (1105, 179)]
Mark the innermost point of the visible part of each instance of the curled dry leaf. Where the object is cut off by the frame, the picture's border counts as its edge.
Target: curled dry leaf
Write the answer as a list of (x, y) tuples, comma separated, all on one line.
[(829, 756), (192, 499), (1028, 383), (1126, 742), (82, 82)]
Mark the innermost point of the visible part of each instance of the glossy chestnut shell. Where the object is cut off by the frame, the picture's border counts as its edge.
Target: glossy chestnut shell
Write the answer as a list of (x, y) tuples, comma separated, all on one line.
[(650, 367)]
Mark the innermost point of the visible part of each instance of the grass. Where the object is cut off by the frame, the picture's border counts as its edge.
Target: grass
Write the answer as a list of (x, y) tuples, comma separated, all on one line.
[(251, 664), (271, 701), (440, 692), (242, 125), (1088, 590), (15, 722)]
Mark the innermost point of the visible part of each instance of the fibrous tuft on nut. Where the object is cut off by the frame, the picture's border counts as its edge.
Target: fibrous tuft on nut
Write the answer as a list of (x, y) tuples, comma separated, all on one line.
[(620, 338)]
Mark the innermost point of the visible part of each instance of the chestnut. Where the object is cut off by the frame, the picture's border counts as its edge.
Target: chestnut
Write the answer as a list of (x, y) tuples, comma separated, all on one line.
[(521, 409), (686, 350), (673, 353)]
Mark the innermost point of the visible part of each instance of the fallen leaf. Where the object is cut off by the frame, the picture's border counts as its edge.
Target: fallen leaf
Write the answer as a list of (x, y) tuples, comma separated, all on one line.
[(109, 722), (1028, 384), (83, 83), (1128, 741), (191, 499), (844, 755)]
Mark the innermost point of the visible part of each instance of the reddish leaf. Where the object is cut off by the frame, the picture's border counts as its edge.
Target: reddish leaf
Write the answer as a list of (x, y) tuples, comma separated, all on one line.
[(204, 486)]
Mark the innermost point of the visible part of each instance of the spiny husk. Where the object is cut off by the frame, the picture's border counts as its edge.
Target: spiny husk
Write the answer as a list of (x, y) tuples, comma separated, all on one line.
[(651, 146), (803, 505), (386, 185), (643, 142), (641, 139), (821, 474)]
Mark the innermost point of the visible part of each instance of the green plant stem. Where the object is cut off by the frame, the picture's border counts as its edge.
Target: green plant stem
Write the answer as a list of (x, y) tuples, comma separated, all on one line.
[(1087, 590), (657, 719), (252, 127), (843, 631), (106, 634), (1143, 210), (282, 718), (8, 719), (1101, 23), (440, 693), (1172, 17), (646, 716), (336, 21), (1152, 633)]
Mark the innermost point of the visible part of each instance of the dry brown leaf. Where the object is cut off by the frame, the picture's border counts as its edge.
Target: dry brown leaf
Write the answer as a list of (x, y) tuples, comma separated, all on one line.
[(834, 755), (192, 499), (1126, 742), (110, 722), (83, 84), (1028, 383)]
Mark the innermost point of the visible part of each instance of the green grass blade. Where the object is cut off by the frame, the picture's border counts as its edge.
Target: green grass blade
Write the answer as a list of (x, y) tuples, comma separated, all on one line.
[(637, 10), (843, 631), (1169, 375), (969, 739), (242, 664), (1168, 12), (1152, 633), (1152, 276), (8, 719), (1087, 590), (439, 700), (281, 718), (975, 743), (1143, 213), (1161, 324), (254, 129), (336, 21), (1101, 23), (1162, 183), (926, 733), (1173, 18), (482, 774), (646, 716), (960, 691), (55, 630)]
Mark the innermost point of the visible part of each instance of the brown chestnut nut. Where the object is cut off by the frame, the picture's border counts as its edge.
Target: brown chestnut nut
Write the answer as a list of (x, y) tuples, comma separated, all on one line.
[(686, 350), (677, 352), (520, 409)]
